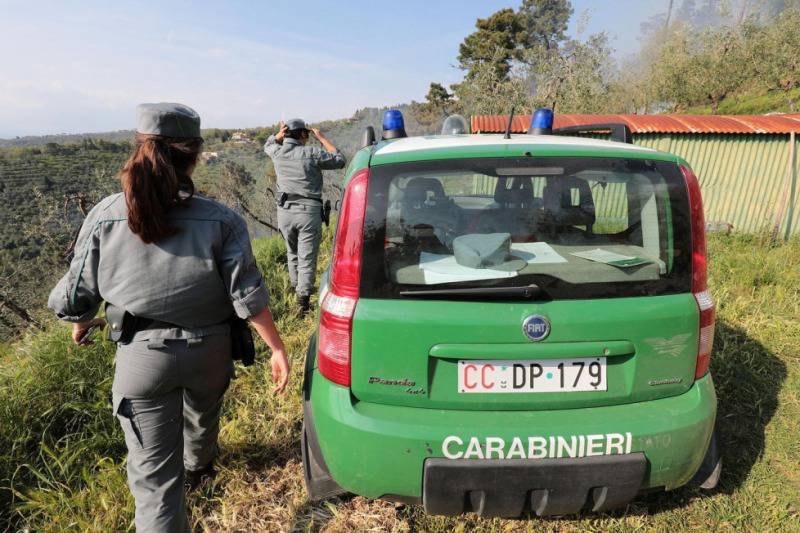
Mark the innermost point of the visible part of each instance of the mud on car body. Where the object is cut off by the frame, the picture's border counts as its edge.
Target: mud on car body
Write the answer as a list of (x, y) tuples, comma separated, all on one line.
[(512, 324)]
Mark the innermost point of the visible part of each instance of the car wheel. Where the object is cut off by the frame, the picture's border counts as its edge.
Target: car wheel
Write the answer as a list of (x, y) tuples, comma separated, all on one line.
[(707, 476), (319, 483)]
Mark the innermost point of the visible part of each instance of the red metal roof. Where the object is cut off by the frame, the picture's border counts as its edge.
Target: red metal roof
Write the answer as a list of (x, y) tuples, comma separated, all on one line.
[(736, 124)]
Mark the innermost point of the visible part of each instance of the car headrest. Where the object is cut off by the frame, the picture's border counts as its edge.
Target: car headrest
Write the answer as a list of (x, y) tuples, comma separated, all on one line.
[(557, 199), (417, 189), (516, 191)]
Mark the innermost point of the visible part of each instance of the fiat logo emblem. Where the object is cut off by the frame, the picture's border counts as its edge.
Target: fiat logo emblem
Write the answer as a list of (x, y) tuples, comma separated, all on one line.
[(536, 327)]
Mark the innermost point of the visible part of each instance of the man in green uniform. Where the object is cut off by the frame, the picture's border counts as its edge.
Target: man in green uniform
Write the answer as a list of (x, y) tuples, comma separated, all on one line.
[(298, 168)]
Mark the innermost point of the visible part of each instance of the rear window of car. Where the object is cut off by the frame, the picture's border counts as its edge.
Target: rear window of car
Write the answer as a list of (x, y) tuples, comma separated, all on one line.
[(577, 227)]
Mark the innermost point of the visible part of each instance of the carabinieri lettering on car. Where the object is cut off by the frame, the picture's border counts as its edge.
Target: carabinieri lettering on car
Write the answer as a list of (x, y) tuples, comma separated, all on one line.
[(536, 447)]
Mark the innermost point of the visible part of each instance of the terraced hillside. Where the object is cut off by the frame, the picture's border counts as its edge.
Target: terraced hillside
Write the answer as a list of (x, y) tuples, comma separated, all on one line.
[(55, 172)]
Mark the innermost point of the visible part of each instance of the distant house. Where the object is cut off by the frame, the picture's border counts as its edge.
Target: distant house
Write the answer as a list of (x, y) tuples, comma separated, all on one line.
[(747, 164), (241, 137), (209, 157)]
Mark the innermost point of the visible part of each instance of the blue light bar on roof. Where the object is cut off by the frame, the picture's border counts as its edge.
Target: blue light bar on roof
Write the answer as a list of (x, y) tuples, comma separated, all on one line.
[(541, 122), (393, 124)]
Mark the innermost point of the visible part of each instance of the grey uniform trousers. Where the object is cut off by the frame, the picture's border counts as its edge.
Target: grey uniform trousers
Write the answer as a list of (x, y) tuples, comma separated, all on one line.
[(167, 397), (301, 227)]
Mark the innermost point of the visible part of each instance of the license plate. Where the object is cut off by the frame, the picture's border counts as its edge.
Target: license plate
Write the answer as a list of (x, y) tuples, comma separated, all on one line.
[(538, 375)]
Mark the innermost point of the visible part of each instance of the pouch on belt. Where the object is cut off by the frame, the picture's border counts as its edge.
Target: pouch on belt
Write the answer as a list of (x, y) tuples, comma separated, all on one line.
[(121, 324), (242, 346)]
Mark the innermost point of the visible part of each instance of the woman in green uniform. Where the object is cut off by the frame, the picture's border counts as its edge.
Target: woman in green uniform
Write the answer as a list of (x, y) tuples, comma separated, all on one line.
[(181, 266)]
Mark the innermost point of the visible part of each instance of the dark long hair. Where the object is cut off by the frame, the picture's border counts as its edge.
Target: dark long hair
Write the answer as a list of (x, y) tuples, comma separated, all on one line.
[(153, 179)]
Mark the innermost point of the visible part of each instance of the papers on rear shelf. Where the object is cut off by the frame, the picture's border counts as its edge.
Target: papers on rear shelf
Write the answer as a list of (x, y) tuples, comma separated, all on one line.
[(536, 253), (610, 258)]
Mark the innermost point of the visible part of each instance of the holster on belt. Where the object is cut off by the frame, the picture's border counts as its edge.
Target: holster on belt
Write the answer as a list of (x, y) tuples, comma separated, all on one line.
[(326, 213), (121, 324), (242, 346)]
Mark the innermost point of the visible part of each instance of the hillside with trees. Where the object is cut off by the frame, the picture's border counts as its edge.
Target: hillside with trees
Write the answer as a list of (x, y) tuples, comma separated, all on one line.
[(48, 187)]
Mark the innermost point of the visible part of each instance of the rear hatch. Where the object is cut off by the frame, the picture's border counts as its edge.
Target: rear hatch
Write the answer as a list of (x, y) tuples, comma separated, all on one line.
[(525, 283)]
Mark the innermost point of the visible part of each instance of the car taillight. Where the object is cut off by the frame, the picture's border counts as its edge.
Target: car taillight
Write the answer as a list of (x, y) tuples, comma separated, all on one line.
[(339, 302), (705, 303), (335, 327)]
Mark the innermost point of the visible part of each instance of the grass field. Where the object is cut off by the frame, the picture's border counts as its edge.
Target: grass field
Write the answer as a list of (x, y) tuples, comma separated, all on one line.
[(62, 455)]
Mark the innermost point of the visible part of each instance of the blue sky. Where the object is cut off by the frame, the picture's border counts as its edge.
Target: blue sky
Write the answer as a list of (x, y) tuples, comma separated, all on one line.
[(71, 67)]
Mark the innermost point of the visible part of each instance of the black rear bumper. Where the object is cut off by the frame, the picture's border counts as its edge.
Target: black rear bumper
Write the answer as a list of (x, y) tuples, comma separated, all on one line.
[(511, 487)]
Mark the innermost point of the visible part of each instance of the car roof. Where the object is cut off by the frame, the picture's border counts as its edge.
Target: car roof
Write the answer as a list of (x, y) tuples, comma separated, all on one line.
[(459, 146)]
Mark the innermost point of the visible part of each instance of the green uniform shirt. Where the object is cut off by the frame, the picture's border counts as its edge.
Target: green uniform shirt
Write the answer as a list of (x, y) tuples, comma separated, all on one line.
[(299, 168), (195, 279)]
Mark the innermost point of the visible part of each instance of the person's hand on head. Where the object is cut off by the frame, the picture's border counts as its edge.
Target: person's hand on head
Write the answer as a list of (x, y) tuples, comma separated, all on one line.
[(282, 129), (280, 371), (326, 144)]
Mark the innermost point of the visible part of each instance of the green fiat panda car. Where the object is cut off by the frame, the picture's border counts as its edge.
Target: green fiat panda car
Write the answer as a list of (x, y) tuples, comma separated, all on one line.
[(512, 324)]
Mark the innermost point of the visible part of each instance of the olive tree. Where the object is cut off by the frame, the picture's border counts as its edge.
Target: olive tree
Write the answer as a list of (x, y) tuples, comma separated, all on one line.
[(700, 68), (773, 53), (573, 77)]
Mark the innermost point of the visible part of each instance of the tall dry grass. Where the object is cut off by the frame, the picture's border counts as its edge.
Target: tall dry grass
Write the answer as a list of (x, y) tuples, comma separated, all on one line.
[(62, 455)]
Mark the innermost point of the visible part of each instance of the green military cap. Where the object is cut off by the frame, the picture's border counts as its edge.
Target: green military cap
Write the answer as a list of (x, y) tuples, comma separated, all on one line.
[(486, 250), (296, 124), (169, 120)]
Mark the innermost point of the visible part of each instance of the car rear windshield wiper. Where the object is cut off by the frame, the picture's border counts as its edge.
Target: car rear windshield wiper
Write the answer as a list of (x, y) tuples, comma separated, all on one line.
[(527, 292)]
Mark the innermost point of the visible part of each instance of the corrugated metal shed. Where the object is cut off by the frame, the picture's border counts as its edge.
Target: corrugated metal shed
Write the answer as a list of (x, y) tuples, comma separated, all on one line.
[(744, 178), (743, 161), (734, 124)]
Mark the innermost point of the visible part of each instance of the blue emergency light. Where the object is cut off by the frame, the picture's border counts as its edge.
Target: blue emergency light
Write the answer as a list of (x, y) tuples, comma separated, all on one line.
[(393, 124), (541, 122)]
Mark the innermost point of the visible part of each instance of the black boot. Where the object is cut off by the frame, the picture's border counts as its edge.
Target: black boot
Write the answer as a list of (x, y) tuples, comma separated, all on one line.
[(303, 304), (194, 478)]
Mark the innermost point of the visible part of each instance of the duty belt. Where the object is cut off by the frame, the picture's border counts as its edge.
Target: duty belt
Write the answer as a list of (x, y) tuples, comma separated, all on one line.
[(285, 197), (123, 325), (142, 324), (296, 197)]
